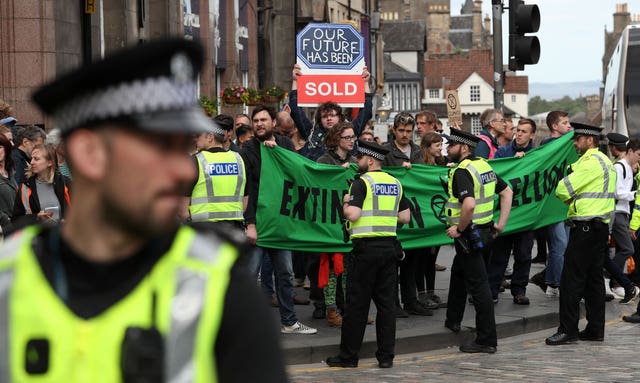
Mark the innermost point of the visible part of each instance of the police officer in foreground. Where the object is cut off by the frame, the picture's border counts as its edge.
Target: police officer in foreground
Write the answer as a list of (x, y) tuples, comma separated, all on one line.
[(471, 188), (218, 195), (119, 292), (588, 190), (374, 206)]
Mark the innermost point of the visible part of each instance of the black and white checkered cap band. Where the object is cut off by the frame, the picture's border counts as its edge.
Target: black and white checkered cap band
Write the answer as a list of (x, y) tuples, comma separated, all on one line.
[(141, 96), (586, 132), (463, 140), (218, 131), (369, 152)]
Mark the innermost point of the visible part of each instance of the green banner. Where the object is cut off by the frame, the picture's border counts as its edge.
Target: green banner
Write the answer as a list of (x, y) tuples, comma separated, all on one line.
[(300, 201)]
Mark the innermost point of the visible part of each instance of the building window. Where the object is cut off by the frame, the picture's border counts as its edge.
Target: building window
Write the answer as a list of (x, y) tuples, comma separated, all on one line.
[(476, 126), (474, 93), (434, 93), (513, 98)]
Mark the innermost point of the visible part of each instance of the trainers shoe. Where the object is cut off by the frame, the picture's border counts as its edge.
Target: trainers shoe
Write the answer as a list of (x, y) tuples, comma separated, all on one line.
[(618, 292), (298, 282), (629, 296), (434, 297), (552, 292), (428, 303), (417, 309), (297, 328), (440, 267)]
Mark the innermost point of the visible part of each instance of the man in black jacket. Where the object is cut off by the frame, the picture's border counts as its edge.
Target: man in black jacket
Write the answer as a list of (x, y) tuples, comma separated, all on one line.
[(264, 122)]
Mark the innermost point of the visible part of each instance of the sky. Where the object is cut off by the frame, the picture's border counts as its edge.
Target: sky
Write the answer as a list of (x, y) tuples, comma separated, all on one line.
[(571, 37)]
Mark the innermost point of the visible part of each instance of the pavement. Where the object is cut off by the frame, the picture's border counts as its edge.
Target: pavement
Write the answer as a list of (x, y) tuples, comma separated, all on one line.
[(420, 333)]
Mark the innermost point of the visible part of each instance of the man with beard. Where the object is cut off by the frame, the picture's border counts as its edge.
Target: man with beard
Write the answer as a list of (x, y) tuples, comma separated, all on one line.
[(588, 190), (264, 124), (374, 206), (471, 188), (119, 288)]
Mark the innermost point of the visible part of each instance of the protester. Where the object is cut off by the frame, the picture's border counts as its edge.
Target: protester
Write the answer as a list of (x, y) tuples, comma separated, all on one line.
[(626, 155), (521, 243), (375, 199), (327, 115), (264, 123), (431, 144), (588, 191), (493, 126), (8, 186), (44, 195), (340, 142), (26, 139), (244, 133), (557, 233)]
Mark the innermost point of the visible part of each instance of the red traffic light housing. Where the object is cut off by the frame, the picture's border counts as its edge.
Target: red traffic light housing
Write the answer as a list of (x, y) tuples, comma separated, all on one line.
[(523, 18)]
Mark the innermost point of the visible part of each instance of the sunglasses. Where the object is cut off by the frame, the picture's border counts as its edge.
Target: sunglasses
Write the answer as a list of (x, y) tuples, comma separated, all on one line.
[(404, 120)]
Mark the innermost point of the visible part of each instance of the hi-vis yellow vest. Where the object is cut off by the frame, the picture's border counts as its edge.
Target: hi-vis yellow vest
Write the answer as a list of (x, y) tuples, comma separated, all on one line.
[(589, 189), (379, 216), (218, 194), (190, 282), (484, 189)]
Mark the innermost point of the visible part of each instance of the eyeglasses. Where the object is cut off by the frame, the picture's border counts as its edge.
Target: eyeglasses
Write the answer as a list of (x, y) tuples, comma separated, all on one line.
[(502, 120), (348, 138)]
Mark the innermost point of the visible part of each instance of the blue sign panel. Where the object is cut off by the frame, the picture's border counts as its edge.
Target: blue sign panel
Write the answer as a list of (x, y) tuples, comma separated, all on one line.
[(330, 46)]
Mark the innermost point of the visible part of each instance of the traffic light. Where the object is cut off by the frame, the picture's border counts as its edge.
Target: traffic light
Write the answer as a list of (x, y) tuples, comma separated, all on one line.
[(523, 49)]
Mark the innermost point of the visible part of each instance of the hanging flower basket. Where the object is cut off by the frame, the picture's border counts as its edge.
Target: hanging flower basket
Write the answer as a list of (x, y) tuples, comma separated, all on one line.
[(236, 94), (232, 100), (273, 94), (272, 99), (254, 97)]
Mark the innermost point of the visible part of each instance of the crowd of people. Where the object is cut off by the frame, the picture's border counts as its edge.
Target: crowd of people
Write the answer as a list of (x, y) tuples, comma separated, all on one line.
[(213, 198)]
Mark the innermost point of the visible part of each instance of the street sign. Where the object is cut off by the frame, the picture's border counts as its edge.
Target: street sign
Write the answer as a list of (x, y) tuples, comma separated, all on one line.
[(453, 108), (331, 59)]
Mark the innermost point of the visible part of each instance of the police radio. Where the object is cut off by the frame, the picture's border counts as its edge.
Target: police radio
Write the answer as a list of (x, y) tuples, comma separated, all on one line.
[(142, 353)]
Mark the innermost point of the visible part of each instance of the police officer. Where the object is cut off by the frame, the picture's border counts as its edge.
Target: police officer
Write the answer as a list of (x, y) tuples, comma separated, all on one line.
[(218, 196), (471, 188), (374, 206), (588, 190), (119, 288)]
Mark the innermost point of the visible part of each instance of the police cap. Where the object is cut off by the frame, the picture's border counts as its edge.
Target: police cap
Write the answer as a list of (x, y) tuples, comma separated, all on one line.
[(152, 86), (580, 129), (369, 148), (617, 139), (459, 136)]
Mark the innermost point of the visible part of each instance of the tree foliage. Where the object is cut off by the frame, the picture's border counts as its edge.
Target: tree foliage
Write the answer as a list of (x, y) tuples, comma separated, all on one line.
[(568, 104)]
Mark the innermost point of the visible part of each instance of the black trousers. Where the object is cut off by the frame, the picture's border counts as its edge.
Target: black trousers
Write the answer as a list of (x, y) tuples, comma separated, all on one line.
[(373, 275), (521, 243), (582, 278), (408, 268), (469, 275)]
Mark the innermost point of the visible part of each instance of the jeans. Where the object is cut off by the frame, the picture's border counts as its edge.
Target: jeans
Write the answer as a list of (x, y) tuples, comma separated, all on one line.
[(521, 243), (557, 237), (283, 268), (266, 275)]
